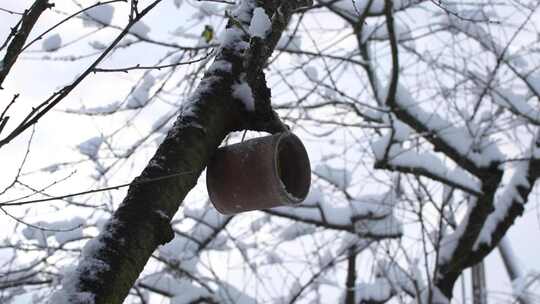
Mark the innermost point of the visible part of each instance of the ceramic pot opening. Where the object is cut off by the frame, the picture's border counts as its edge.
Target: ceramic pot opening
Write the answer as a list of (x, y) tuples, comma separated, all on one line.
[(292, 165)]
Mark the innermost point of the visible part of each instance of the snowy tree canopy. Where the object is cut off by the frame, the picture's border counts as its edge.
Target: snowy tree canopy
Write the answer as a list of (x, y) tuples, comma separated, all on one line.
[(420, 119)]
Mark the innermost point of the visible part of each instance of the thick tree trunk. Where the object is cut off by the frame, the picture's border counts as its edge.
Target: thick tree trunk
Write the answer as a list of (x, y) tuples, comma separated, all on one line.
[(141, 223), (111, 263)]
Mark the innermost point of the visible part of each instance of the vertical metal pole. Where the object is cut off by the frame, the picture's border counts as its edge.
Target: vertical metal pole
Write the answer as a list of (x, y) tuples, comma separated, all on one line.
[(479, 284)]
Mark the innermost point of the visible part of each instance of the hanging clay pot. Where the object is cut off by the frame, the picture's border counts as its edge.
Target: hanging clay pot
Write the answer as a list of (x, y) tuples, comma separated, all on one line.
[(259, 173)]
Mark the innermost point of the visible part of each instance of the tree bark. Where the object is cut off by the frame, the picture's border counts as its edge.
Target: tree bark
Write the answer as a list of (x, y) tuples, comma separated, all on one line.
[(111, 263)]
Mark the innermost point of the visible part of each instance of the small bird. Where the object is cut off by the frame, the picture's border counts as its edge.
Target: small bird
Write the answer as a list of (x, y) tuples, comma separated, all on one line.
[(208, 33)]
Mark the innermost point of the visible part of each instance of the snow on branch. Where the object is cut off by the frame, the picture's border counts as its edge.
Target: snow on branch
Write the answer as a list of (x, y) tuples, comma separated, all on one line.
[(506, 97), (516, 103), (352, 9), (181, 290), (456, 142), (470, 22), (390, 279), (512, 197), (390, 154), (487, 219), (371, 215), (449, 243)]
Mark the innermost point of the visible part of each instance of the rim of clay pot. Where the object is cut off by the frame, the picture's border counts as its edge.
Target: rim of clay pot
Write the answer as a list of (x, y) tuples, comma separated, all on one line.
[(291, 155)]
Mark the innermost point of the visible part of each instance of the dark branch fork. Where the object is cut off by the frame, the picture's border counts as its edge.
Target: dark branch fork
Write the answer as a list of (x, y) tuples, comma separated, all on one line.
[(468, 251)]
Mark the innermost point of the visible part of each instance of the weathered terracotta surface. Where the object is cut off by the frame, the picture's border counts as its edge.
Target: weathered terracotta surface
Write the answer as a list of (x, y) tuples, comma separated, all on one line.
[(260, 173)]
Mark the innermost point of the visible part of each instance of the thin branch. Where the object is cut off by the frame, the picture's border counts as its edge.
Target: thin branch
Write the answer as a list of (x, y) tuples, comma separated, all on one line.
[(39, 111), (14, 202), (156, 67), (28, 20)]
